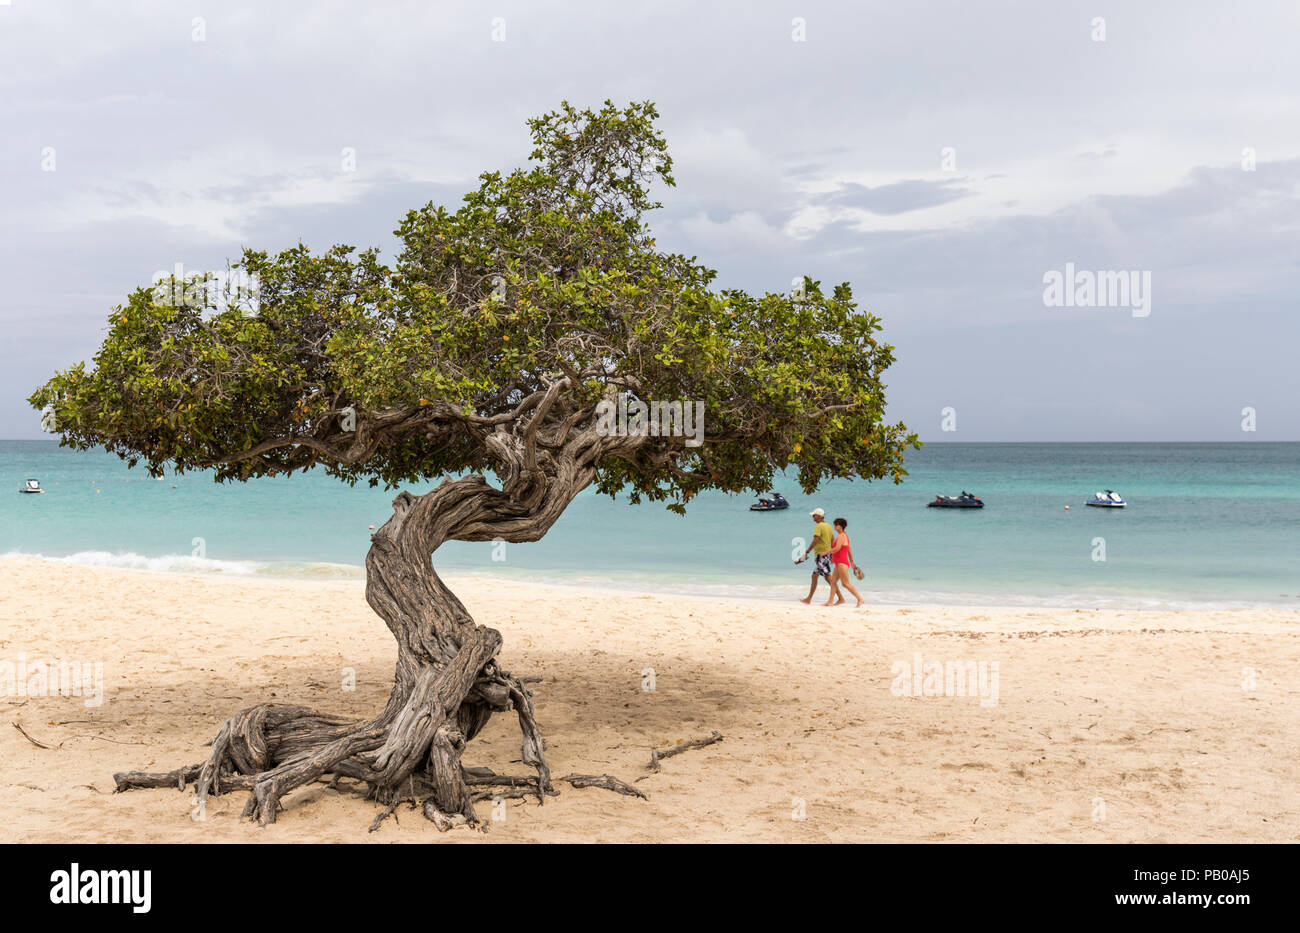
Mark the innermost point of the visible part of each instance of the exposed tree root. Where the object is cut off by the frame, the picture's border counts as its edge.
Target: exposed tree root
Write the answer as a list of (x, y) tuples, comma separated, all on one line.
[(478, 776), (517, 793), (506, 786), (403, 754), (412, 749), (384, 814), (446, 684), (445, 821)]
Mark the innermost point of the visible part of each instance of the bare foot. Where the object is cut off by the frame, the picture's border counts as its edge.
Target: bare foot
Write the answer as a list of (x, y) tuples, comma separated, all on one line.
[(861, 603), (807, 600)]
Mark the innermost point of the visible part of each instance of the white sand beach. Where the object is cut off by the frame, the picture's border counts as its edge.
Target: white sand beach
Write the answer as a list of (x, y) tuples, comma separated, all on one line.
[(1107, 726)]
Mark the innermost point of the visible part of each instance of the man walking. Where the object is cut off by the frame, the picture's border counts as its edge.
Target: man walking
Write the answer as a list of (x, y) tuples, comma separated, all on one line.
[(821, 547)]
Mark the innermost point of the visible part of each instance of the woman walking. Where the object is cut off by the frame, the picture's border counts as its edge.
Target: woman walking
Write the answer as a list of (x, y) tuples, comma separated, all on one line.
[(841, 561)]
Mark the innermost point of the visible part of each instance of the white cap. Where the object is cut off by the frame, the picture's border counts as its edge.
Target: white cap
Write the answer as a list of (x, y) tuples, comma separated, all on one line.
[(815, 512)]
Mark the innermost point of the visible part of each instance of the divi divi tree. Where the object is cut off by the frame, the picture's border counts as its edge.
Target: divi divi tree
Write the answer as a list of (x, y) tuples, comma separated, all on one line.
[(486, 356)]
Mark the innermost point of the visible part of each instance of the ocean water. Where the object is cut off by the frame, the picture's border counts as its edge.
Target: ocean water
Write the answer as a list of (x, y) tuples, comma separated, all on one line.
[(1206, 525)]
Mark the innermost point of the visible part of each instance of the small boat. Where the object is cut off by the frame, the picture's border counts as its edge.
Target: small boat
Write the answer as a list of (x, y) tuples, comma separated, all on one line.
[(32, 485), (965, 501), (766, 504), (1106, 500)]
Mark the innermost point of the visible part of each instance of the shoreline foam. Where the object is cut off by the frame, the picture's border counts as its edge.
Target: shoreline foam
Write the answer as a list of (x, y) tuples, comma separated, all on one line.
[(657, 585)]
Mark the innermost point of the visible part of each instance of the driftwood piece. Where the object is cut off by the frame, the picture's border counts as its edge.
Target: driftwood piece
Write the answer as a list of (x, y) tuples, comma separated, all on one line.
[(608, 782), (28, 737), (657, 756)]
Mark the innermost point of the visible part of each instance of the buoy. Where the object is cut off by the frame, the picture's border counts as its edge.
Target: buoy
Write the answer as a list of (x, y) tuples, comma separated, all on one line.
[(372, 527), (1067, 508)]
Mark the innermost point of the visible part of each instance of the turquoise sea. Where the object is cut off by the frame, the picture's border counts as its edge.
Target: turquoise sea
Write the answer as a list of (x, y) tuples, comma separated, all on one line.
[(1206, 525)]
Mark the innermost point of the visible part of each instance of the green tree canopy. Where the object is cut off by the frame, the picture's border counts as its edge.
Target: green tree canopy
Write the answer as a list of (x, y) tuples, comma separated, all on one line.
[(489, 343)]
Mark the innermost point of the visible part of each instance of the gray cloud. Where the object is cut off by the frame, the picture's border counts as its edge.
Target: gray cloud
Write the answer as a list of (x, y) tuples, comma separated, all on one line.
[(898, 197), (819, 158)]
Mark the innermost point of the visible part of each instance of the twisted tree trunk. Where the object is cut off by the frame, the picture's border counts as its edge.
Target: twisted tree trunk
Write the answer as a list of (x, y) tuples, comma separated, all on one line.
[(446, 684)]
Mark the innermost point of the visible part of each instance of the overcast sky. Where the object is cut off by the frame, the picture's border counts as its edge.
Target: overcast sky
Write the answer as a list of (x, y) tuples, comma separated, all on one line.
[(941, 157)]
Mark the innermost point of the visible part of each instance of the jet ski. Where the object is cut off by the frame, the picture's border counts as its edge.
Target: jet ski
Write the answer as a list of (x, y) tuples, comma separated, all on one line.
[(32, 486), (1106, 500), (770, 504), (965, 501)]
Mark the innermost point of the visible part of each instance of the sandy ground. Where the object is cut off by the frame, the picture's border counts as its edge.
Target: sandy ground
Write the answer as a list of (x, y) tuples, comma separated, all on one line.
[(1107, 727)]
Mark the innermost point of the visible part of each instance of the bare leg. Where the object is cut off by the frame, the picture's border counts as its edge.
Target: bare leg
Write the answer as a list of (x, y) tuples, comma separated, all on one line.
[(811, 589), (835, 591), (842, 571)]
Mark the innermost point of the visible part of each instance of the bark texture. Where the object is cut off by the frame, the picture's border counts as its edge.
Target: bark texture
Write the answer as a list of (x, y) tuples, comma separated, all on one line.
[(447, 681)]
